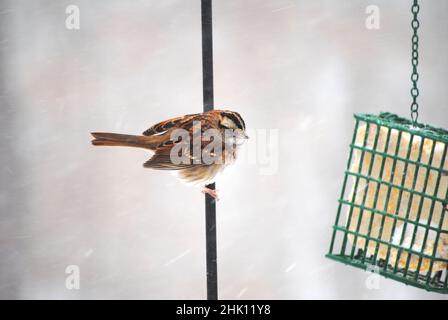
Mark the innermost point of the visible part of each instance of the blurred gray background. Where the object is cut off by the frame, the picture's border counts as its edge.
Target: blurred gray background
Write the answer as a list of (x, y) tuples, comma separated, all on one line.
[(302, 67)]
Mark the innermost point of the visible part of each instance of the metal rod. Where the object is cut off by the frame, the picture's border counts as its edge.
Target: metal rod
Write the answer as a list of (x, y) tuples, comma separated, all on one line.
[(210, 204)]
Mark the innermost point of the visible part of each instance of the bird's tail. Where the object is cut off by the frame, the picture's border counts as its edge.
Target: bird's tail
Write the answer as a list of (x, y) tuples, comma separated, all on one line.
[(124, 140)]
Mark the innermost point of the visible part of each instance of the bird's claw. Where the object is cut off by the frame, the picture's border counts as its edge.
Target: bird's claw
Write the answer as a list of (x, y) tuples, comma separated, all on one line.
[(212, 193)]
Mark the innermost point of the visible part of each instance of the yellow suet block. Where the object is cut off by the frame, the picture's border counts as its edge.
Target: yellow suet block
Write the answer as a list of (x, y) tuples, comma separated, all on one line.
[(391, 198)]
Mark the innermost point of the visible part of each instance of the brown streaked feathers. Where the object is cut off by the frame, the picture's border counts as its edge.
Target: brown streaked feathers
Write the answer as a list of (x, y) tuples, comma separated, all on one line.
[(158, 139)]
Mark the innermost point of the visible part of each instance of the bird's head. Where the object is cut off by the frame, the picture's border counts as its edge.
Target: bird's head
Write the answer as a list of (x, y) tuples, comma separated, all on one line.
[(232, 120)]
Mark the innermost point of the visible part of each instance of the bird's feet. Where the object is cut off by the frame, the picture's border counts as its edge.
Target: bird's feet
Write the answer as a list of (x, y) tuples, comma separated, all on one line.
[(212, 193)]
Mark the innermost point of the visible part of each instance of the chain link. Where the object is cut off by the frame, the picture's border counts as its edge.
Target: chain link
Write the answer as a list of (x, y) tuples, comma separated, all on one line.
[(415, 76)]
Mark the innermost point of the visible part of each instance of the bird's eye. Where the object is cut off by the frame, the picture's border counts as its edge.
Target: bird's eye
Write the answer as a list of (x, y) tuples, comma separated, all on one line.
[(227, 123)]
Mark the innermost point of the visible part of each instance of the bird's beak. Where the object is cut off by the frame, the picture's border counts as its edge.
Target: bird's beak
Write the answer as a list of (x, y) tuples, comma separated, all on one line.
[(246, 136)]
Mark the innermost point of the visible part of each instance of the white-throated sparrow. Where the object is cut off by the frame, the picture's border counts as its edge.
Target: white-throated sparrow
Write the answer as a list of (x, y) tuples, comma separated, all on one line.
[(196, 146)]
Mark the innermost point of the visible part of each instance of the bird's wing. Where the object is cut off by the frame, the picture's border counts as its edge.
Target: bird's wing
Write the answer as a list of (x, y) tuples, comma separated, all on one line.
[(186, 155), (162, 159), (164, 126), (163, 162)]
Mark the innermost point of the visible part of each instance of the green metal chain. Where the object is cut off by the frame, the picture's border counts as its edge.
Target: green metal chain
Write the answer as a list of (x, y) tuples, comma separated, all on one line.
[(415, 76)]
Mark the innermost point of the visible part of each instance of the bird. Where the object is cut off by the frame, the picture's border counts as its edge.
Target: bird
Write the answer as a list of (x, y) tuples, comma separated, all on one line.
[(195, 146)]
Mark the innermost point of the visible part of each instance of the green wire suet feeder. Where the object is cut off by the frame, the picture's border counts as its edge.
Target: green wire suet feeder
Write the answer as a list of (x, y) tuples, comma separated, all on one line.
[(393, 210)]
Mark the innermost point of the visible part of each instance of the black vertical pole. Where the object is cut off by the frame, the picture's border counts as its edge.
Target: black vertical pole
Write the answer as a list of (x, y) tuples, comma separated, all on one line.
[(210, 204)]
